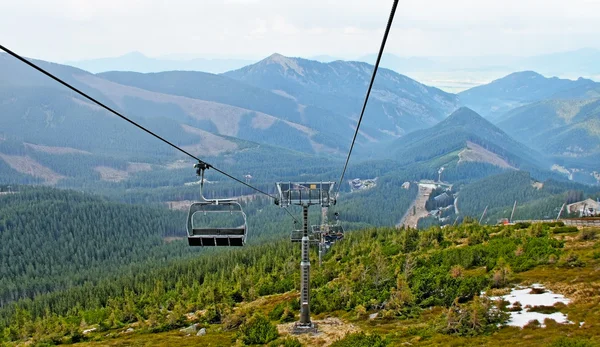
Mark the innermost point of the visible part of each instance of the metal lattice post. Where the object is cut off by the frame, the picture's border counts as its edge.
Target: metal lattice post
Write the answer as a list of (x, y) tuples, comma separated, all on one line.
[(305, 273)]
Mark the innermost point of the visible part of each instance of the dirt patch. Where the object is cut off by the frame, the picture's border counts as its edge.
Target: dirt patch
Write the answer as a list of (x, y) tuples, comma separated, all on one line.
[(179, 164), (284, 94), (537, 185), (302, 128), (55, 150), (329, 330), (262, 122), (111, 174), (476, 153), (210, 144), (411, 219), (173, 238), (91, 105), (30, 167), (320, 148), (182, 205), (138, 167)]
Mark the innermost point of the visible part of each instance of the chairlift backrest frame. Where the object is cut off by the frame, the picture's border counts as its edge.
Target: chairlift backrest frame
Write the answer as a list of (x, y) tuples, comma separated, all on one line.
[(306, 193), (215, 236)]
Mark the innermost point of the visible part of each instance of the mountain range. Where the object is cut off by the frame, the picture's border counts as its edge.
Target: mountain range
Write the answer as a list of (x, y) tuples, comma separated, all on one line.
[(298, 107), (451, 73), (221, 101), (520, 88), (136, 61), (397, 105)]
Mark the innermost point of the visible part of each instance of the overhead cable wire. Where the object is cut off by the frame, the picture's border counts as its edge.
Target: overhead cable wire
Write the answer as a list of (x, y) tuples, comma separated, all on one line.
[(57, 79), (291, 215), (375, 68)]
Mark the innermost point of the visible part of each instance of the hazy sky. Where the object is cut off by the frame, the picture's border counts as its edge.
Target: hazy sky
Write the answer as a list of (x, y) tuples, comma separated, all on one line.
[(64, 30)]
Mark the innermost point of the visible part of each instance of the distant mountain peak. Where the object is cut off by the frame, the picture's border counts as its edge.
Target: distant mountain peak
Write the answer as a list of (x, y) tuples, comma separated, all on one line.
[(286, 63), (523, 74), (464, 115), (135, 54), (275, 56)]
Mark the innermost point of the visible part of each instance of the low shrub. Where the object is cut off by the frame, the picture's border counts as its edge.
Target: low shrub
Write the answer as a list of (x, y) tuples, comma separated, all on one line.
[(361, 340), (258, 330), (587, 235), (565, 229), (572, 342), (480, 316), (287, 342), (571, 260), (543, 309)]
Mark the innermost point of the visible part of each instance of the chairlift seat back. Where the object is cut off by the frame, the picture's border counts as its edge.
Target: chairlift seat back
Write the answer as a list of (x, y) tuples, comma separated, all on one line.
[(216, 223), (296, 236)]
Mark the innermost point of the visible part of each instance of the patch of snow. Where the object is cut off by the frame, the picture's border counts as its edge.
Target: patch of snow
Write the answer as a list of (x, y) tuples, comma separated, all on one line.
[(524, 296), (87, 331), (520, 319)]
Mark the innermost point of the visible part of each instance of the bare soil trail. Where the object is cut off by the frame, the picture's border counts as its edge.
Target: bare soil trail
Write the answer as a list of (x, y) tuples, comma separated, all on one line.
[(417, 209)]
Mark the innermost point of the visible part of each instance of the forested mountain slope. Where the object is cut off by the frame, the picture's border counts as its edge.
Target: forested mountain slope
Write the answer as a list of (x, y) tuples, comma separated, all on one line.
[(465, 136), (22, 85), (552, 126), (567, 129), (535, 199), (52, 239), (423, 286), (51, 135)]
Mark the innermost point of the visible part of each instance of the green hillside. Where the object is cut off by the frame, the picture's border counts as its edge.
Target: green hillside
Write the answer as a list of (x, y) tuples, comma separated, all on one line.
[(452, 136), (535, 199), (424, 287), (552, 126), (52, 239)]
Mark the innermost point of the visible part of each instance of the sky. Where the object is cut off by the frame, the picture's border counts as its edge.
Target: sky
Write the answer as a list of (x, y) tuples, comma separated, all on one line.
[(69, 30)]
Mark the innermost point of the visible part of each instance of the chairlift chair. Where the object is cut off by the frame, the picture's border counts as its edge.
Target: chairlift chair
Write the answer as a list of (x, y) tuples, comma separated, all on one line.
[(215, 222), (331, 233), (305, 193), (297, 234)]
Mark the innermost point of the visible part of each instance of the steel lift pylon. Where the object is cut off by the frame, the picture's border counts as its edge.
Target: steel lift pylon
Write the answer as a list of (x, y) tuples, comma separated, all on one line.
[(305, 194)]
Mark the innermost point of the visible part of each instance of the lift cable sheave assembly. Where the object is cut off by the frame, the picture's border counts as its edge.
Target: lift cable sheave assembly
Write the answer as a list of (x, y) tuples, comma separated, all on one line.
[(197, 236)]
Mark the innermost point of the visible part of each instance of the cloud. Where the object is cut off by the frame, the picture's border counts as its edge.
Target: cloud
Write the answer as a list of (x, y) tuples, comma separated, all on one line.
[(63, 30)]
